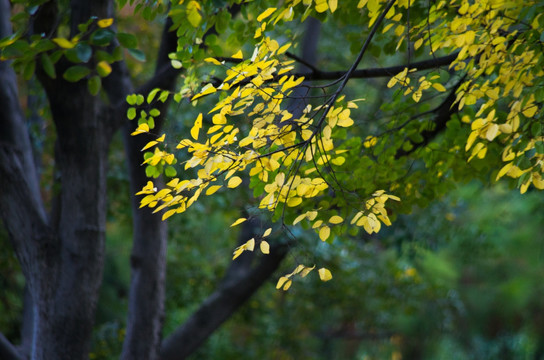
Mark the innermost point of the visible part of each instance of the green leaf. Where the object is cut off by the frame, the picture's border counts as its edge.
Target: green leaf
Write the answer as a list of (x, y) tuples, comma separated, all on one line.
[(48, 66), (131, 99), (222, 22), (29, 69), (94, 85), (137, 54), (84, 52), (76, 73), (170, 171), (539, 146), (152, 94), (131, 113), (102, 37), (127, 40), (150, 171), (103, 68)]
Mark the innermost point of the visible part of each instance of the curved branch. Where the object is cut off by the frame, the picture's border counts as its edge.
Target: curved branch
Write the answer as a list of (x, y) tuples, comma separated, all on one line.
[(242, 279)]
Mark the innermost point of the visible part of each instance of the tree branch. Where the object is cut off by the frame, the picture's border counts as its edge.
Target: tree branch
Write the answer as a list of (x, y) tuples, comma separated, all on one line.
[(442, 114), (243, 278), (7, 350), (378, 72)]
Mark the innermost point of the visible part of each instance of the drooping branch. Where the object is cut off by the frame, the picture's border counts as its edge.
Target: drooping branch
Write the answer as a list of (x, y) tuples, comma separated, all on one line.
[(242, 279)]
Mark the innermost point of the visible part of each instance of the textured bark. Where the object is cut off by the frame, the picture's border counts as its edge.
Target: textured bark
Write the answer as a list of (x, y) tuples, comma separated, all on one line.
[(148, 257), (62, 259)]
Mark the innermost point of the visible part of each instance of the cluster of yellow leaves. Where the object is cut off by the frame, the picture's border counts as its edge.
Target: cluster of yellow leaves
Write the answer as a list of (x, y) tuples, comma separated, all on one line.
[(424, 83), (370, 219), (285, 281), (500, 67), (275, 144), (285, 152), (250, 244)]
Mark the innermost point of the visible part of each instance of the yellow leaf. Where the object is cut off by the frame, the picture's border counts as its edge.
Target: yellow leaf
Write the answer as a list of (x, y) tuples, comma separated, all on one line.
[(149, 144), (104, 23), (196, 127), (299, 219), (283, 49), (234, 182), (492, 132), (292, 202), (504, 170), (212, 189), (142, 128), (265, 247), (439, 87), (287, 285), (250, 244), (267, 232), (282, 280), (238, 55), (333, 4), (324, 233), (239, 221), (418, 43), (103, 68), (212, 60), (63, 43), (265, 14), (530, 111), (206, 90), (321, 6), (306, 271), (324, 274), (169, 213), (344, 122), (336, 219)]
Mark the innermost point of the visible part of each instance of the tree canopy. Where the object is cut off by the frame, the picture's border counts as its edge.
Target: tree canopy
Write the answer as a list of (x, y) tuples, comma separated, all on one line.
[(466, 104), (403, 100)]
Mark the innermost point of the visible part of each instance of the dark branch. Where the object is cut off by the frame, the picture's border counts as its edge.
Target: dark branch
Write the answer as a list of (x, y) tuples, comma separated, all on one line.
[(7, 350), (442, 114), (242, 280), (379, 72)]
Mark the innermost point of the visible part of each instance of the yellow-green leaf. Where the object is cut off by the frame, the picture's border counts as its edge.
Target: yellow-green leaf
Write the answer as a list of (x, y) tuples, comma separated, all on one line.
[(239, 221), (212, 189), (265, 14), (104, 23), (63, 43), (238, 55), (324, 274), (324, 233), (234, 182), (282, 280), (265, 247), (336, 219)]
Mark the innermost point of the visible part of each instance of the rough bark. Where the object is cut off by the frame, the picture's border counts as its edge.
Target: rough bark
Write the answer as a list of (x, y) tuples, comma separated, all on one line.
[(62, 260), (148, 257)]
